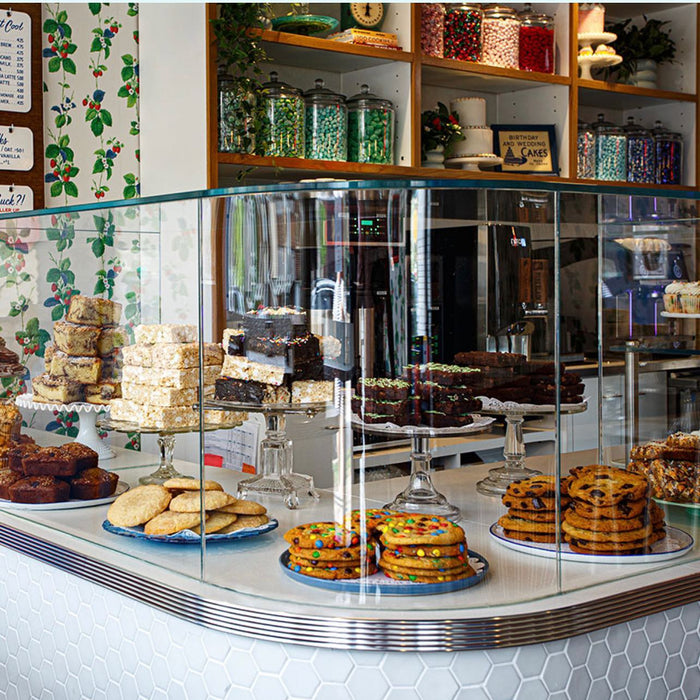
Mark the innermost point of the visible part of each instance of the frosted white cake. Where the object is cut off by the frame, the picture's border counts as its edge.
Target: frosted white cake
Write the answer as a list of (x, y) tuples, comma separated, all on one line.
[(470, 110), (478, 140)]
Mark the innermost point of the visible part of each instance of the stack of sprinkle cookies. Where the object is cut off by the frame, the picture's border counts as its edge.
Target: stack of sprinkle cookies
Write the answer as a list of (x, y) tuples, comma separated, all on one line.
[(531, 504), (330, 551)]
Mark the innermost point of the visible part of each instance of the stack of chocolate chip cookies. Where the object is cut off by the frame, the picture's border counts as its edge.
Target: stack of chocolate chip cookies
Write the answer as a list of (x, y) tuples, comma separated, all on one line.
[(423, 549), (531, 504), (330, 551), (611, 513)]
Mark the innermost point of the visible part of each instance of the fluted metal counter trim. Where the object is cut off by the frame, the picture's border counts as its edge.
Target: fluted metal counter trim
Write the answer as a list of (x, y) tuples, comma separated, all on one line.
[(371, 634)]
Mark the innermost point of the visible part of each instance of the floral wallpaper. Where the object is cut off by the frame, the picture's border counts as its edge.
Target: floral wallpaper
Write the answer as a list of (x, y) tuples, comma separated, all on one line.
[(91, 102)]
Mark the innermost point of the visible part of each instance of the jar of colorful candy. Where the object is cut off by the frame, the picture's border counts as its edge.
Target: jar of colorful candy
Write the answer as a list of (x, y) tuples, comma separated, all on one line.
[(463, 24), (284, 106), (326, 124), (640, 153), (432, 29), (610, 151), (500, 37), (668, 154), (536, 41), (585, 152), (370, 128)]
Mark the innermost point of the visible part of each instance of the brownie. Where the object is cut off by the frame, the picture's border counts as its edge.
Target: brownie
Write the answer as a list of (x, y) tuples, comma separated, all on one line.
[(518, 394), (49, 461), (566, 379), (16, 454), (382, 389), (386, 408), (243, 391), (379, 418), (542, 368), (433, 391), (7, 478), (93, 483), (449, 375), (235, 344), (85, 458), (39, 489), (489, 359)]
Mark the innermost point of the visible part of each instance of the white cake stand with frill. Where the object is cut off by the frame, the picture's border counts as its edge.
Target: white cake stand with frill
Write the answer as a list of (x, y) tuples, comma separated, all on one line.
[(604, 60), (421, 496), (476, 162), (87, 431)]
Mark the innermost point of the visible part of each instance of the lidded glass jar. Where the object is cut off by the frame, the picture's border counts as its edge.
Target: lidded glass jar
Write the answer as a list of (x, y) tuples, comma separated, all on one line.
[(432, 29), (500, 37), (668, 154), (640, 153), (326, 123), (536, 50), (463, 28), (235, 120), (284, 106), (585, 152), (610, 150), (370, 128)]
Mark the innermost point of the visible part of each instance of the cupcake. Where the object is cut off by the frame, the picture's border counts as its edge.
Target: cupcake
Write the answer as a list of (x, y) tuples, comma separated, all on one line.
[(690, 298), (672, 297)]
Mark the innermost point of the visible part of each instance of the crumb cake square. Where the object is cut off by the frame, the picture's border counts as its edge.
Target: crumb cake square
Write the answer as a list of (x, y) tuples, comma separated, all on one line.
[(93, 311)]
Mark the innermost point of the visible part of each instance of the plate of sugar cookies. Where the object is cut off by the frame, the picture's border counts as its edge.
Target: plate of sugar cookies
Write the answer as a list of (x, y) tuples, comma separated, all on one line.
[(605, 515), (170, 513), (420, 555), (55, 478)]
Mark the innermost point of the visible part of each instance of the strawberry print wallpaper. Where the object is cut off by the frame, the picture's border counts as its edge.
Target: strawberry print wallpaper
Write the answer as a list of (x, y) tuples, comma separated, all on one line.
[(91, 102)]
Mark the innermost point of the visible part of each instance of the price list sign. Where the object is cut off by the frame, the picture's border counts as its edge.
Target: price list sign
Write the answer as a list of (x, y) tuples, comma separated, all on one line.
[(15, 61)]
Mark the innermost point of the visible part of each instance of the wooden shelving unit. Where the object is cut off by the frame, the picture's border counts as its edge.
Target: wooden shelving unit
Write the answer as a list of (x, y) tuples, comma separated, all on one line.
[(415, 82)]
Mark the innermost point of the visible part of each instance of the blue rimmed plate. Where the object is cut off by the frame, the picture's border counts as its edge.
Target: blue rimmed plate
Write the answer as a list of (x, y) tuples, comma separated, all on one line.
[(189, 537), (675, 544), (306, 25), (379, 583)]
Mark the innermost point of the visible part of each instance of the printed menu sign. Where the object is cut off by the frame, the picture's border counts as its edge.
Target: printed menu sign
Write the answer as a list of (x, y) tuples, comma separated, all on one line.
[(15, 61), (16, 148), (14, 198)]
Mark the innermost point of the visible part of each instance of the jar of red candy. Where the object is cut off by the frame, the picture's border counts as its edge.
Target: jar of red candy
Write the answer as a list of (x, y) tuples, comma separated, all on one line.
[(536, 41), (432, 29), (500, 37), (463, 24)]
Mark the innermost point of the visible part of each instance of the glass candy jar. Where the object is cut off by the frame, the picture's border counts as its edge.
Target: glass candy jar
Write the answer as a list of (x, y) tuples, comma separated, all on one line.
[(668, 153), (585, 152), (370, 128), (432, 29), (536, 48), (284, 107), (235, 133), (463, 27), (326, 124), (610, 151), (640, 153), (500, 37)]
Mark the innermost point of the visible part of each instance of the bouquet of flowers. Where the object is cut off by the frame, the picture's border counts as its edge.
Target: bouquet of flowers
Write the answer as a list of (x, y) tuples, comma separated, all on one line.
[(439, 127)]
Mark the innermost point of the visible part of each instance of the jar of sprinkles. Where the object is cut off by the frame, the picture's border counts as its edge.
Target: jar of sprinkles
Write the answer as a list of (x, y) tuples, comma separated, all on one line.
[(326, 124), (640, 153), (610, 151), (536, 50), (370, 128), (585, 152), (284, 106), (668, 156), (432, 29), (463, 26), (500, 37)]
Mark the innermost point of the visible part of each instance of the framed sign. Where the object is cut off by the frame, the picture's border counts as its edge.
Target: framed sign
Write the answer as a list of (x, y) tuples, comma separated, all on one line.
[(526, 148), (15, 61)]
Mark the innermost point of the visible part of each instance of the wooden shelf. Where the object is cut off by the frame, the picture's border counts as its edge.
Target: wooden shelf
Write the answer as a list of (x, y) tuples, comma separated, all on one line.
[(446, 72), (618, 96)]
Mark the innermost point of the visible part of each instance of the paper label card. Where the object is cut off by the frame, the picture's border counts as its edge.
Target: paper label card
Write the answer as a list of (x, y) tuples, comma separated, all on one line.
[(16, 148), (14, 198), (15, 61)]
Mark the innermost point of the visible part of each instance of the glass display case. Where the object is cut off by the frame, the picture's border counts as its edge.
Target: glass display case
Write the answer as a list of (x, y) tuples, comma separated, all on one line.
[(310, 359)]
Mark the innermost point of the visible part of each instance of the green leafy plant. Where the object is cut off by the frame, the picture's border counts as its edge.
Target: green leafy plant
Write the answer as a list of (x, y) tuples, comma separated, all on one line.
[(439, 127), (241, 52), (634, 44)]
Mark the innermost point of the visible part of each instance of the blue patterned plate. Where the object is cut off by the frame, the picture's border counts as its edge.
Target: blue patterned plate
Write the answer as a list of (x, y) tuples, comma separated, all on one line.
[(379, 583), (189, 537)]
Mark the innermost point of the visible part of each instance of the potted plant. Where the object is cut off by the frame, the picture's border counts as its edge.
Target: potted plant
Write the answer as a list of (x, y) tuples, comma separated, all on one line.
[(439, 129), (642, 49)]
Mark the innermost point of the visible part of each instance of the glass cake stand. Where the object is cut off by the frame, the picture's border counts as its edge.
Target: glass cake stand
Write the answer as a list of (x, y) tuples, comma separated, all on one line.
[(166, 445), (420, 495), (87, 431), (277, 477), (496, 483)]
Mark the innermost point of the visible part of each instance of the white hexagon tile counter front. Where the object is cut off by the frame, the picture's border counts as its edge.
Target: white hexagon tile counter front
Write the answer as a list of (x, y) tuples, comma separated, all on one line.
[(68, 638)]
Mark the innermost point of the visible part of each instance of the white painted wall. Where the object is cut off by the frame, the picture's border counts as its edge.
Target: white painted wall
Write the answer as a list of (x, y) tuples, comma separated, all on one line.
[(173, 97)]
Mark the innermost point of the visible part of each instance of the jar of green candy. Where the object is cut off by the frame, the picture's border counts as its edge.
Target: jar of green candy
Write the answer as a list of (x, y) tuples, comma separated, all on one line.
[(610, 151), (235, 116), (284, 106), (370, 128), (326, 124)]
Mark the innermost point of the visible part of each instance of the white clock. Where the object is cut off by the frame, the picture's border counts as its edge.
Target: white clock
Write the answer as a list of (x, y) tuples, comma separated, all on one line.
[(366, 15)]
